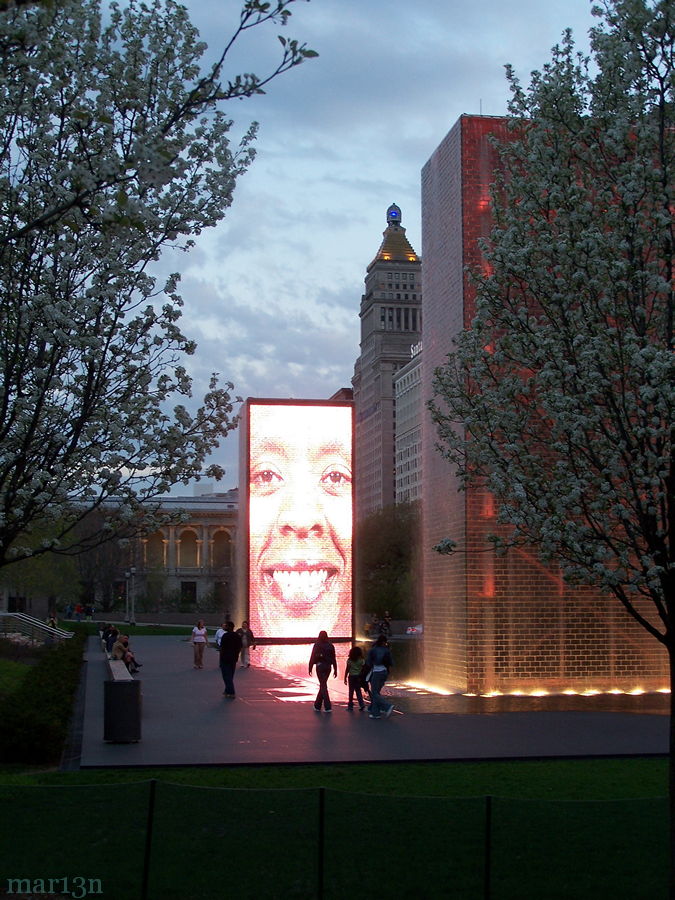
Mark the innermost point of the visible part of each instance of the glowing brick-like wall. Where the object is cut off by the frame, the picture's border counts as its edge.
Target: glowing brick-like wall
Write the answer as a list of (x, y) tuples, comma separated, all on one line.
[(497, 623)]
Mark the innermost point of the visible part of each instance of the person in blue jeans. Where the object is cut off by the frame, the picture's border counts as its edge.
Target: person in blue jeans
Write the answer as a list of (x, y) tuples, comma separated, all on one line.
[(353, 673), (323, 657), (380, 662)]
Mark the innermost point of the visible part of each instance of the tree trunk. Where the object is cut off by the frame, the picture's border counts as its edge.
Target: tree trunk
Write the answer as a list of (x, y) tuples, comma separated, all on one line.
[(671, 771)]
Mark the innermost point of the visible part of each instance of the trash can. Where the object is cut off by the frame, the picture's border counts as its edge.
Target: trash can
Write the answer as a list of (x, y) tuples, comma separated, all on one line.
[(121, 711)]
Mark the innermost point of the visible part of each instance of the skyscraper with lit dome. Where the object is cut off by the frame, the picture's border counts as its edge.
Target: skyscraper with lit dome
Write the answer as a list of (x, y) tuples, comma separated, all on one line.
[(391, 323)]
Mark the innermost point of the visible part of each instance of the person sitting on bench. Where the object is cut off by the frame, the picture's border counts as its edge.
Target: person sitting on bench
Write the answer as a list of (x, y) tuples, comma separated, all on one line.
[(122, 651)]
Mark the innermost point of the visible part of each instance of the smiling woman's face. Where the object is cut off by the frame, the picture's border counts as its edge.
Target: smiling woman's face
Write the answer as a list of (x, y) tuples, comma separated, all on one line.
[(300, 520)]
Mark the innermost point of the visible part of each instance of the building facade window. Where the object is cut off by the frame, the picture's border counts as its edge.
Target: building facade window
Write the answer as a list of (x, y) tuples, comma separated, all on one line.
[(188, 549), (222, 549)]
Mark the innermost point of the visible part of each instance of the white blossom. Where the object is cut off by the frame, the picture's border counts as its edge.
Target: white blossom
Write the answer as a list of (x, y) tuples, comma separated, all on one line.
[(561, 396), (113, 145)]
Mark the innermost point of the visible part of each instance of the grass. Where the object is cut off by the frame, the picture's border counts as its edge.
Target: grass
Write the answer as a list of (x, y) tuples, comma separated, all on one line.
[(91, 628), (427, 820), (568, 780)]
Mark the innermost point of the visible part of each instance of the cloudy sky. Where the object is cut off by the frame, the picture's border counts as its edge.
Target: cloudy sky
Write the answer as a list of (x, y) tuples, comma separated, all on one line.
[(272, 294)]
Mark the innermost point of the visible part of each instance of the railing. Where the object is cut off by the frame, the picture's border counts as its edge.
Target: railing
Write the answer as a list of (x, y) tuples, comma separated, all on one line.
[(37, 632)]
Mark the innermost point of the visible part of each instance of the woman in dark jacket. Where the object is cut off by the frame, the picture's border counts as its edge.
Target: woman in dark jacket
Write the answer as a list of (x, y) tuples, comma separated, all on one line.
[(380, 662), (323, 657)]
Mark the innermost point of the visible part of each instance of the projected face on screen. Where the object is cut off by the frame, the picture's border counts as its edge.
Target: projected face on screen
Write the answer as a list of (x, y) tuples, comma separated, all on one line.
[(300, 520)]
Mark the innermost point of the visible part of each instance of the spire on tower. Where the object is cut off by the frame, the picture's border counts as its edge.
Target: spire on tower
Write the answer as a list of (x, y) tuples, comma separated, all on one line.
[(395, 247)]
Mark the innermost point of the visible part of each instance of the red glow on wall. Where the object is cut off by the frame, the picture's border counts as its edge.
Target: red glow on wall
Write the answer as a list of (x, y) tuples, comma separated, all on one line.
[(488, 584), (552, 575), (488, 506)]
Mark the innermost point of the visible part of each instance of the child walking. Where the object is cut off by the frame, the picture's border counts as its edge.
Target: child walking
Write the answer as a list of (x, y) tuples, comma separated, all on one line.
[(353, 668)]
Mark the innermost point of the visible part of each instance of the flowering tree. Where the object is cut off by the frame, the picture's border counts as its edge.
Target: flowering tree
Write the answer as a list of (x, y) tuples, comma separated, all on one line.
[(113, 146), (561, 396)]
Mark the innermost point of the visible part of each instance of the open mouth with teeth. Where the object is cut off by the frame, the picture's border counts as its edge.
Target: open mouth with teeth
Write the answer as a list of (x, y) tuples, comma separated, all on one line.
[(300, 586)]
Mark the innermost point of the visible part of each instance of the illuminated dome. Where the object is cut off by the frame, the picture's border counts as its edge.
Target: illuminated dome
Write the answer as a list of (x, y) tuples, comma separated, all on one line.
[(394, 215), (395, 247)]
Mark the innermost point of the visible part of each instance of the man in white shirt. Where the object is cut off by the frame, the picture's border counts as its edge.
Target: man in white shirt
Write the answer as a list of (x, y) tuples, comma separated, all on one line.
[(219, 634)]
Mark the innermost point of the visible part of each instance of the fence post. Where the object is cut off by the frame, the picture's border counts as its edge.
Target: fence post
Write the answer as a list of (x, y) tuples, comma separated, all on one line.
[(321, 841), (148, 839), (487, 854)]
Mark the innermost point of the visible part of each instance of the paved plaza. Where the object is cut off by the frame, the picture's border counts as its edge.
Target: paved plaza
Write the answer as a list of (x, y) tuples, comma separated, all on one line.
[(187, 721)]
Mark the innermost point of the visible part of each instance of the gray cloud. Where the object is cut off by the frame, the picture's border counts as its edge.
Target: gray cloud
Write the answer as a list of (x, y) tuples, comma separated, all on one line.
[(272, 294)]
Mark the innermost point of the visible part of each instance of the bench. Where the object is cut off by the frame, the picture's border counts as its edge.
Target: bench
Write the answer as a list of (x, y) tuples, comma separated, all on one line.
[(118, 671)]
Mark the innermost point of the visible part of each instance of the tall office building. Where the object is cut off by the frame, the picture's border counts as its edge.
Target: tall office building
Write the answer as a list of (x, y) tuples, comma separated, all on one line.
[(409, 408), (391, 322), (497, 623)]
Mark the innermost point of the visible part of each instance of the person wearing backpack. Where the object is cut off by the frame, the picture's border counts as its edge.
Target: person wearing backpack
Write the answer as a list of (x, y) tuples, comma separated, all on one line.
[(323, 657)]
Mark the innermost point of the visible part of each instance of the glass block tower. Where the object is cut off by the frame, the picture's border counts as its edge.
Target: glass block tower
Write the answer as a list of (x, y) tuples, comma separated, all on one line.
[(497, 623)]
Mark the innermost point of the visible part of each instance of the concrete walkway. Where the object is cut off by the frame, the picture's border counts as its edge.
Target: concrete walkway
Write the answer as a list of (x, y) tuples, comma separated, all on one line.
[(187, 721)]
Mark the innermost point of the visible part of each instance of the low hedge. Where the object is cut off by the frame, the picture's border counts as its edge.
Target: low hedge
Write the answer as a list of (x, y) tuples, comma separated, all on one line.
[(35, 717), (11, 675)]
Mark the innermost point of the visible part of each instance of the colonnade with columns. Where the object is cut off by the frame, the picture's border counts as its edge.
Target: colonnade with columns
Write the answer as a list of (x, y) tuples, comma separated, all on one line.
[(194, 546)]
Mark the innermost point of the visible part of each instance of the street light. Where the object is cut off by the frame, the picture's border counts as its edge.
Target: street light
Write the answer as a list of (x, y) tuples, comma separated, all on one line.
[(132, 570), (127, 576)]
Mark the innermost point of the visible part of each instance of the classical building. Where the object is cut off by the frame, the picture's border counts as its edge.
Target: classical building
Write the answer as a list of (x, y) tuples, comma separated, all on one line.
[(391, 321), (189, 566), (192, 562), (497, 623)]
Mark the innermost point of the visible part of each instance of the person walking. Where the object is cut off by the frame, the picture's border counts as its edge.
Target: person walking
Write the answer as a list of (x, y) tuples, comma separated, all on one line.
[(380, 661), (323, 657), (247, 644), (230, 647), (200, 638), (353, 672), (218, 635)]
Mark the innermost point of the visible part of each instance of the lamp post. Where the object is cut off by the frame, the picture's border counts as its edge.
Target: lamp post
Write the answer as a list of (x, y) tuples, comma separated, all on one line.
[(127, 576), (132, 570)]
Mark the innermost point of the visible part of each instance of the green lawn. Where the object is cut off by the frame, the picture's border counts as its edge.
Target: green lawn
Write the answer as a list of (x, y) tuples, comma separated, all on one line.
[(582, 779), (572, 829), (91, 628)]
